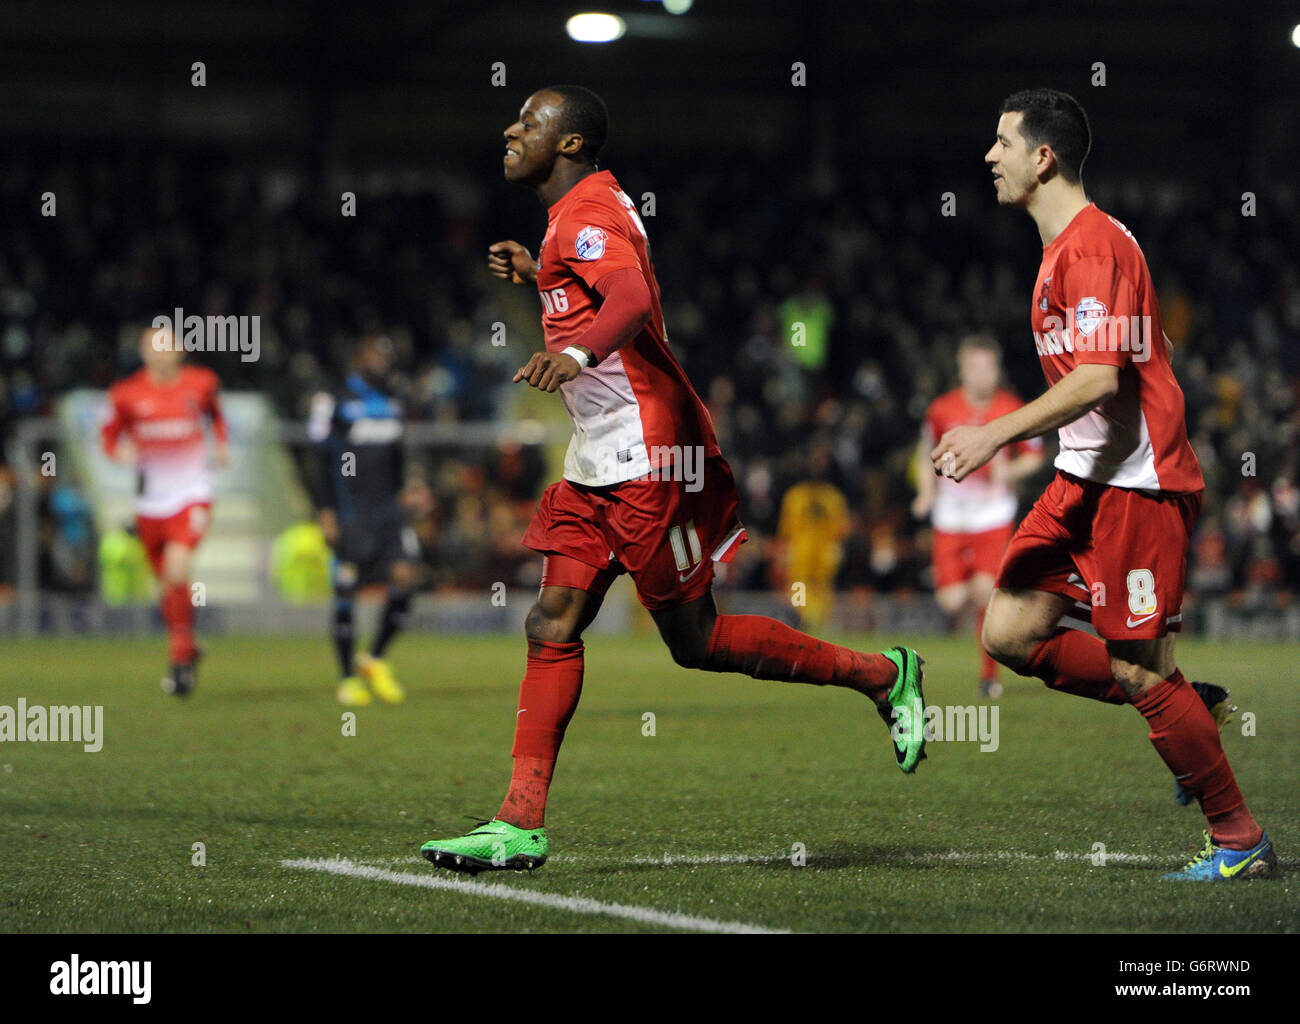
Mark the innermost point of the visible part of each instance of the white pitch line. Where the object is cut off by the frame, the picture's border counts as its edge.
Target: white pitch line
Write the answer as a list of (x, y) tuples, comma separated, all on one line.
[(574, 904)]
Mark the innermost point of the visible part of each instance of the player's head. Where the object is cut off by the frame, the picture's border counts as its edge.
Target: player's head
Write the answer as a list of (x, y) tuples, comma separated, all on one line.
[(560, 122), (373, 356), (159, 351), (979, 365), (1043, 135)]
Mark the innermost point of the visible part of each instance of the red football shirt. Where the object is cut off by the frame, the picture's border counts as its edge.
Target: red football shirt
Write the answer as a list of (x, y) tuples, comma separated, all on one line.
[(635, 411), (1094, 303), (979, 502), (165, 422)]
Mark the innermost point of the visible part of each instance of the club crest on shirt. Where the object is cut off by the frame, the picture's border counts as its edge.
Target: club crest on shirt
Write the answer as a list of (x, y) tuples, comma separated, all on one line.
[(1089, 313), (590, 243), (1042, 298)]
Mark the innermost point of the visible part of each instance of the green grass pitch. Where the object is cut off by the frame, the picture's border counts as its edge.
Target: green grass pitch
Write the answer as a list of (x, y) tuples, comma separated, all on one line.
[(701, 819)]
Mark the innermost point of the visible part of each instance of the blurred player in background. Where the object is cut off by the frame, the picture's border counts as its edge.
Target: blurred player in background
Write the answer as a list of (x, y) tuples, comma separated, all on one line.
[(973, 521), (645, 488), (156, 423), (813, 524), (1113, 526), (360, 469)]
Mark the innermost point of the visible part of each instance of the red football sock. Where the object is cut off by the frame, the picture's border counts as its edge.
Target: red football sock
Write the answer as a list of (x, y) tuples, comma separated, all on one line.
[(548, 696), (1076, 662), (1187, 740), (769, 649), (178, 614), (988, 667)]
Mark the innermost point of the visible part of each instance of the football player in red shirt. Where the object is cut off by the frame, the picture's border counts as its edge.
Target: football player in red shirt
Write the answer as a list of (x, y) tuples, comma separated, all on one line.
[(156, 423), (1112, 529), (645, 489), (974, 520)]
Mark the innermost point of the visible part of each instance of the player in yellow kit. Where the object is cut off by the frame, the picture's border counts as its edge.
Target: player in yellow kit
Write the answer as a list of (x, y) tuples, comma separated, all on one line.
[(813, 525)]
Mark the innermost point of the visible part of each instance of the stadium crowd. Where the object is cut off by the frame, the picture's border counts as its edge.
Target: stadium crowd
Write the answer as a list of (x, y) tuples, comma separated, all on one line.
[(864, 269)]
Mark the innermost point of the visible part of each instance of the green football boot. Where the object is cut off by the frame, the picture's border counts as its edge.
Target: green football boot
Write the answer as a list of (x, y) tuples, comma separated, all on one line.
[(492, 846), (903, 711)]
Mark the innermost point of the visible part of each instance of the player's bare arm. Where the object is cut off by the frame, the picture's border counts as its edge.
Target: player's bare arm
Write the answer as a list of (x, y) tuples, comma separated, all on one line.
[(963, 450), (512, 262)]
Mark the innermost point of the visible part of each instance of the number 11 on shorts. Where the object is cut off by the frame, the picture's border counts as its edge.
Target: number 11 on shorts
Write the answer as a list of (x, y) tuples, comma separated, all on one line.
[(680, 552)]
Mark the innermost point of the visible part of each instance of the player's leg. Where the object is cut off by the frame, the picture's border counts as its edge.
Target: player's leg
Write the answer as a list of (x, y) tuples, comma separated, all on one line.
[(1186, 736), (956, 590), (952, 600), (570, 598), (979, 591), (1218, 701), (351, 690), (1022, 630), (987, 549), (552, 685), (178, 603), (576, 573), (950, 575), (153, 537), (765, 648), (820, 598), (953, 596), (669, 538), (816, 567), (1139, 552), (178, 614), (173, 542), (1039, 595), (403, 578)]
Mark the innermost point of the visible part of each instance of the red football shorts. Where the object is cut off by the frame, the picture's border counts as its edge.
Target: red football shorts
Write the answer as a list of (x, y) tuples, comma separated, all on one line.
[(185, 527), (665, 536), (1126, 549), (959, 556)]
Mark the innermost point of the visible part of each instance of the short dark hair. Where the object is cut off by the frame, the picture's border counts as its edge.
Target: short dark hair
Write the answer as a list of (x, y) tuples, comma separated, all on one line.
[(584, 113), (1057, 119)]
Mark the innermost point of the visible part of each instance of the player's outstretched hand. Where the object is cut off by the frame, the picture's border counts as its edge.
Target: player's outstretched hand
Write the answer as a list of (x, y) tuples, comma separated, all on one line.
[(962, 450), (511, 262), (546, 371)]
